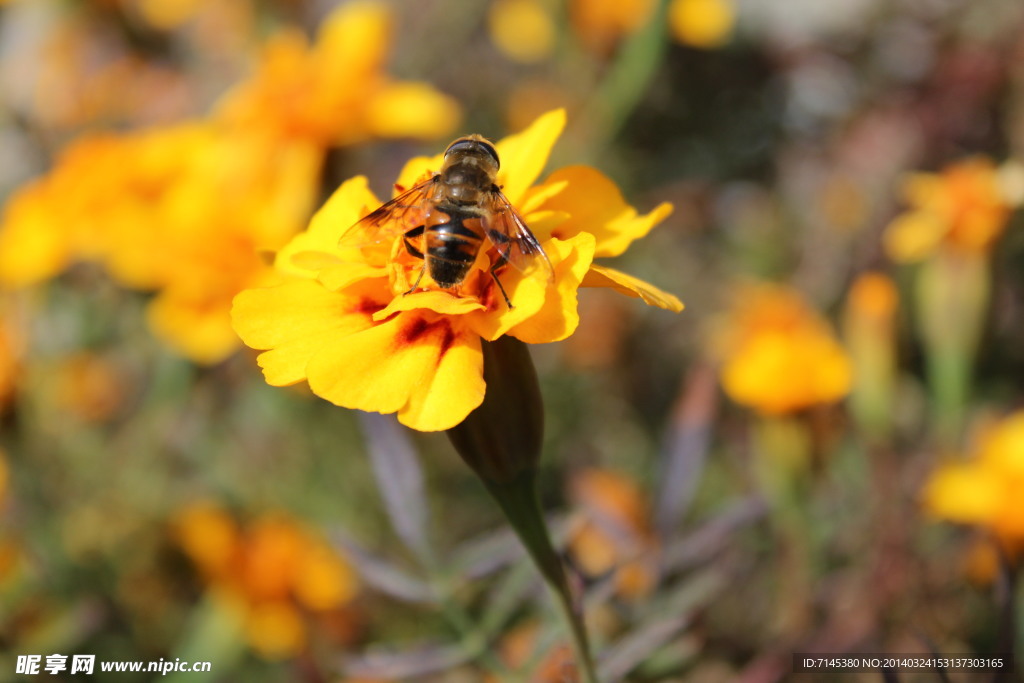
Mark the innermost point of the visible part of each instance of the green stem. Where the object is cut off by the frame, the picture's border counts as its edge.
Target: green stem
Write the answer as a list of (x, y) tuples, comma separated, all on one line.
[(501, 441), (518, 500)]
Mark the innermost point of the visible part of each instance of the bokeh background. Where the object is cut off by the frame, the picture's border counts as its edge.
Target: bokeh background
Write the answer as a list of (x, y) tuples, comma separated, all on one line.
[(824, 452)]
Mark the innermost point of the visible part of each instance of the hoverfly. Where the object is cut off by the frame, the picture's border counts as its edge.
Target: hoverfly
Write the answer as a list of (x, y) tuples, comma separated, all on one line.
[(445, 220)]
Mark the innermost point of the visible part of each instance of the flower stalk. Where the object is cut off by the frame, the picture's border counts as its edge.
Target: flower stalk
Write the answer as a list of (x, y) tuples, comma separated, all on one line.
[(501, 442)]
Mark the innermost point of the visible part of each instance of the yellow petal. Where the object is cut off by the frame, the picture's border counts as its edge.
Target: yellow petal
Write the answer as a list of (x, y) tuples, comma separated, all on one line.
[(338, 276), (451, 392), (414, 110), (702, 23), (963, 493), (559, 317), (34, 243), (420, 367), (295, 319), (199, 328), (601, 276), (522, 29), (438, 301), (595, 205), (538, 194), (352, 42), (524, 155), (416, 170), (348, 204), (914, 235)]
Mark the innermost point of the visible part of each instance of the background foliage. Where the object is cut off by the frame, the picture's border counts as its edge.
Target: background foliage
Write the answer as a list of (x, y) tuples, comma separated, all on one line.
[(774, 470)]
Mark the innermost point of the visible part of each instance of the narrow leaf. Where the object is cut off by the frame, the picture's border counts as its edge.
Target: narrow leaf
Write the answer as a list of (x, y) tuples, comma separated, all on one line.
[(396, 467)]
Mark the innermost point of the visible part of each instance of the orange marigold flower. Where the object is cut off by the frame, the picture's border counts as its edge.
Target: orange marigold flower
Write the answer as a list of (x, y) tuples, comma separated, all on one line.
[(274, 572), (986, 489), (780, 355), (349, 325), (965, 208), (616, 533), (603, 23), (336, 91)]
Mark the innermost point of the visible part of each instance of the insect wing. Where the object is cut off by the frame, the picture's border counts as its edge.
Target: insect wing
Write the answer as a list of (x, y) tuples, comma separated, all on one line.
[(391, 219), (514, 242)]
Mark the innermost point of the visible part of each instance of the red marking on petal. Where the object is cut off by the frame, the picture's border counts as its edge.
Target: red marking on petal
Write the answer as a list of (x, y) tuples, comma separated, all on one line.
[(368, 306), (438, 331)]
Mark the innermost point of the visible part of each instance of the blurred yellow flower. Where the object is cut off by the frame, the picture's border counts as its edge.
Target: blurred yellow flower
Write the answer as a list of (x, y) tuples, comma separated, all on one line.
[(336, 91), (985, 490), (702, 23), (778, 354), (964, 208), (277, 573), (184, 210), (347, 325), (522, 29), (616, 534)]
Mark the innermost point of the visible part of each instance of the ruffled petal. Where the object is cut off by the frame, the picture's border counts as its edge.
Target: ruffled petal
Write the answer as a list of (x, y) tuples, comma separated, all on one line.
[(601, 276), (419, 366), (595, 205), (438, 301), (559, 317), (524, 155), (296, 319)]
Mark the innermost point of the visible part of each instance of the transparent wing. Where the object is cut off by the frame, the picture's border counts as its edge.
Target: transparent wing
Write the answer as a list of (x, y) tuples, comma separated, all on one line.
[(516, 245), (391, 219)]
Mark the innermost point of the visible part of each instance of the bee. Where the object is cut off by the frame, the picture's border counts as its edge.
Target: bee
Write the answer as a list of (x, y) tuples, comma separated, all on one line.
[(447, 219)]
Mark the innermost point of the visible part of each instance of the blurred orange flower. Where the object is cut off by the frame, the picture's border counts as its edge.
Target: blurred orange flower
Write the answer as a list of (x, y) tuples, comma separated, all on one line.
[(964, 208), (276, 573), (11, 348), (616, 534), (184, 210), (89, 386), (985, 490), (601, 24), (350, 326), (336, 91), (778, 354), (518, 649)]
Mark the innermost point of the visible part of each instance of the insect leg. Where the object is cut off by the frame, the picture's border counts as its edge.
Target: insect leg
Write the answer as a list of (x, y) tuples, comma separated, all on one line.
[(500, 241), (413, 251)]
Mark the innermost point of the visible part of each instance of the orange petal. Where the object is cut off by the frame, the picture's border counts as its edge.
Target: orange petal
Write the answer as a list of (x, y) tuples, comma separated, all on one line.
[(601, 276), (595, 205), (418, 366)]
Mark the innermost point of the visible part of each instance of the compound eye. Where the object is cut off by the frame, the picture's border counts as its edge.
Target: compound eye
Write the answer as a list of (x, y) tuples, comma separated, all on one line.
[(473, 144), (489, 148)]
